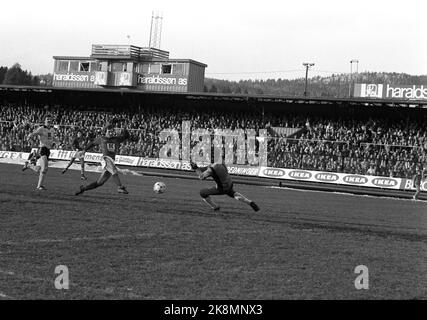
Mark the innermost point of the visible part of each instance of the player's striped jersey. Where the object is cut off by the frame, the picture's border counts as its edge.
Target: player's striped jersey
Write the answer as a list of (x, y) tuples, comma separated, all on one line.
[(46, 136)]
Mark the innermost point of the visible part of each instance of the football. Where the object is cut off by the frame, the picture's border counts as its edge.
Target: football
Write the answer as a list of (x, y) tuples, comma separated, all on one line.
[(159, 187)]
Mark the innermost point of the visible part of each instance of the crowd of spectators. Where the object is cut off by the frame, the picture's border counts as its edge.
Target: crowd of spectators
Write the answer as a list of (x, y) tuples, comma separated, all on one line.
[(375, 146)]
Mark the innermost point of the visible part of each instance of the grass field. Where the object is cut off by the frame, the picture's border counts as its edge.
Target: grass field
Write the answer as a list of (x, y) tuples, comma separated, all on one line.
[(301, 245)]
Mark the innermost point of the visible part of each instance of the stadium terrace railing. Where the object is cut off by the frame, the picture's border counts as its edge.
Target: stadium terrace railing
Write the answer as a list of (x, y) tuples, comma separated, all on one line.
[(127, 51)]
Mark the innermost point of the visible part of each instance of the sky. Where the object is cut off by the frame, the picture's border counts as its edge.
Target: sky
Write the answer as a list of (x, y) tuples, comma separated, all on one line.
[(237, 39)]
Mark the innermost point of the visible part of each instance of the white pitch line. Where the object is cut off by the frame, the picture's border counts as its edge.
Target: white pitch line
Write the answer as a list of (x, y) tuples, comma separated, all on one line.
[(8, 273), (78, 239), (46, 280), (11, 273), (345, 193), (3, 295), (146, 235)]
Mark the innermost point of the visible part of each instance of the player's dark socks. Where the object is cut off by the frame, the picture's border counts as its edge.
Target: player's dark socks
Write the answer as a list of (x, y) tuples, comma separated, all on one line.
[(91, 186), (254, 206), (25, 167), (80, 191), (122, 189), (65, 170)]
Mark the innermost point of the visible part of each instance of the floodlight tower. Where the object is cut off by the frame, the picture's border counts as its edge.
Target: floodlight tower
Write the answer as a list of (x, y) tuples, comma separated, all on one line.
[(156, 29), (307, 65), (351, 74)]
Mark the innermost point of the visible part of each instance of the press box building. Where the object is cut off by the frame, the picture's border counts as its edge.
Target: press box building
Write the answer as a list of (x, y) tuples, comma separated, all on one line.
[(128, 66)]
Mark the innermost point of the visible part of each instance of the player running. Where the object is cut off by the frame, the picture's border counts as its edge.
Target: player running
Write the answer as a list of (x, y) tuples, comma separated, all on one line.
[(417, 179), (78, 144), (46, 135), (109, 146), (224, 185)]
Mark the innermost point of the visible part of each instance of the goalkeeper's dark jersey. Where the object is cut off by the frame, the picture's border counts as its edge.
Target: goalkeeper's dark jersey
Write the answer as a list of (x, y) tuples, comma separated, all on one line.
[(219, 173)]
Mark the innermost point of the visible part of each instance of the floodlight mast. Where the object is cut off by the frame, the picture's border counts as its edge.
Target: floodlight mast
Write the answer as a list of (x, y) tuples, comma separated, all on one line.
[(307, 65), (351, 74)]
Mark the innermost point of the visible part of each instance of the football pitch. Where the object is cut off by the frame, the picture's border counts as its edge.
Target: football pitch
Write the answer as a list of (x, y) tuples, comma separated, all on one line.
[(301, 245)]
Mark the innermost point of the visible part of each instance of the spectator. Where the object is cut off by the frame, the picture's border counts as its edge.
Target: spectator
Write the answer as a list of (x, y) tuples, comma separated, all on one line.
[(374, 146)]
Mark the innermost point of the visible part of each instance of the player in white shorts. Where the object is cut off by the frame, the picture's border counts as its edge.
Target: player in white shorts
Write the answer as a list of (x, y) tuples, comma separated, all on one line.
[(46, 135), (417, 180)]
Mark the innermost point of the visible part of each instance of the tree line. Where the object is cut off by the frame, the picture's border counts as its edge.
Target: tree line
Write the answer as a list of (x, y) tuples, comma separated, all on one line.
[(333, 86), (15, 75)]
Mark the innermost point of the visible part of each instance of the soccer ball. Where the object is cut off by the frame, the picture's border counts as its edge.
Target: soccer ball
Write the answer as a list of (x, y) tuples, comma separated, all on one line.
[(159, 187)]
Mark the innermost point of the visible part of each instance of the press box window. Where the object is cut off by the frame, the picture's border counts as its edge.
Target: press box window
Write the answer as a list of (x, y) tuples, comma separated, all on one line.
[(63, 66), (84, 66), (143, 68), (166, 68), (74, 66), (178, 69), (155, 68), (95, 66), (118, 67)]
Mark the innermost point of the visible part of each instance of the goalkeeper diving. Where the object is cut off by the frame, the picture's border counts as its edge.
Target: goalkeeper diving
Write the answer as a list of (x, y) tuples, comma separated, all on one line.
[(224, 185)]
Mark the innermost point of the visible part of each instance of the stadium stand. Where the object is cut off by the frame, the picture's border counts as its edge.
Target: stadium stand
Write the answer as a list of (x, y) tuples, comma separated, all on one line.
[(375, 146)]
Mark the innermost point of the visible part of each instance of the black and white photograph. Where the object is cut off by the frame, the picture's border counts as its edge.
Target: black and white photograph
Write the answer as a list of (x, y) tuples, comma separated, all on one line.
[(213, 156)]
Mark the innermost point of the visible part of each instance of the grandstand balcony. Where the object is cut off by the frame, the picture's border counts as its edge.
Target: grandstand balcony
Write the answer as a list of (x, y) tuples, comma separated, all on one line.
[(104, 51), (128, 66)]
